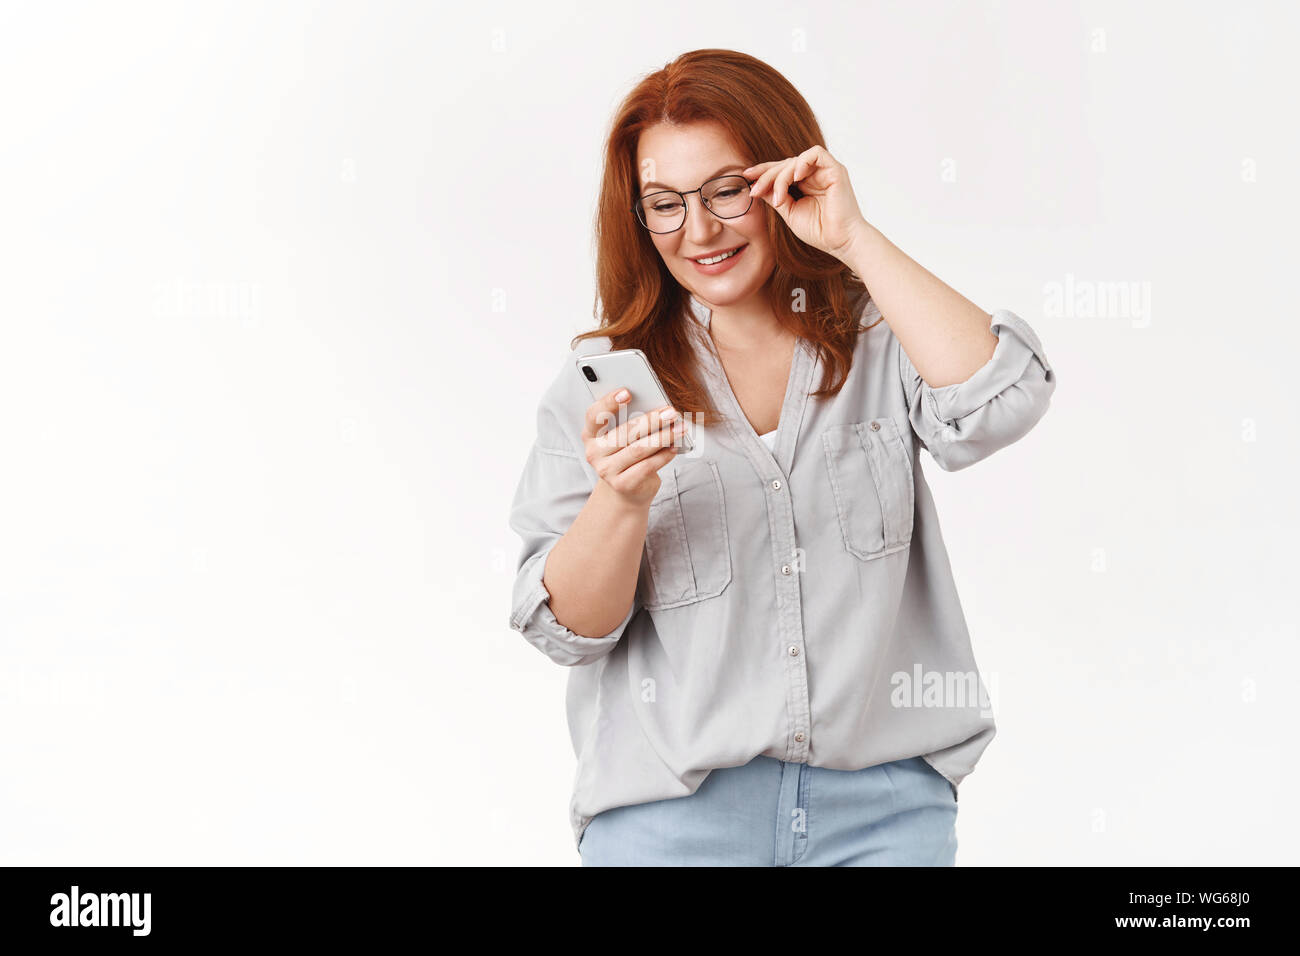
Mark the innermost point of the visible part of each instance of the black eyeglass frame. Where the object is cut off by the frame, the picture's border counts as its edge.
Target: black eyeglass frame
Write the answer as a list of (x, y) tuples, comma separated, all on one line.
[(637, 208)]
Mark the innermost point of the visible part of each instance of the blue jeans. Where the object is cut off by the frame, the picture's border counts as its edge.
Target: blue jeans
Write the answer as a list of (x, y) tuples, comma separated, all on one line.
[(772, 813)]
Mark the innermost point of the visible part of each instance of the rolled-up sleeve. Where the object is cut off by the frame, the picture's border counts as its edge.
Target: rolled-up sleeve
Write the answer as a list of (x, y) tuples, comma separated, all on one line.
[(962, 423), (554, 487)]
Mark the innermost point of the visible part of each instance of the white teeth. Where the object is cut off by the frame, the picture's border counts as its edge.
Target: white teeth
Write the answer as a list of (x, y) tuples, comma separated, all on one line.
[(725, 255)]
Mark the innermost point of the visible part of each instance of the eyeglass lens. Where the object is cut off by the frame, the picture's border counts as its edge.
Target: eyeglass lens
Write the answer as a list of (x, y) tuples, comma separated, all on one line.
[(665, 211)]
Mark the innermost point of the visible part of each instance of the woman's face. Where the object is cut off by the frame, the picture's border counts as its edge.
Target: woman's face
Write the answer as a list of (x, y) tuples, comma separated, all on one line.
[(684, 158)]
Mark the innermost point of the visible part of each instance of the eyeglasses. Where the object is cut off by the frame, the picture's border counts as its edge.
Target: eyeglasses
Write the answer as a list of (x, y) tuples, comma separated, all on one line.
[(727, 197)]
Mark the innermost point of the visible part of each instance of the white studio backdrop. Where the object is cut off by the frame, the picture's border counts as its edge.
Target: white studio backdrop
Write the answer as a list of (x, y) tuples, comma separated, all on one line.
[(283, 283)]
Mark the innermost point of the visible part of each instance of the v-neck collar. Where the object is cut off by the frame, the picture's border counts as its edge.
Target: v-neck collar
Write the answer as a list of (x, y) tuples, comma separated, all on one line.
[(802, 367)]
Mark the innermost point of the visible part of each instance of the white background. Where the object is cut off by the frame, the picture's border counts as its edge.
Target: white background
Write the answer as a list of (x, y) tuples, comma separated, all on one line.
[(283, 283)]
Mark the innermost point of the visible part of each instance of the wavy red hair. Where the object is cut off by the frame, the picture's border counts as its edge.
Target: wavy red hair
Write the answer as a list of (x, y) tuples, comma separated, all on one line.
[(639, 303)]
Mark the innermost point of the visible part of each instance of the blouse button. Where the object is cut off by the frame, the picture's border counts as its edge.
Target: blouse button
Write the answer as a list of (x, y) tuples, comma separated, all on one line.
[(785, 569), (799, 736), (794, 650), (776, 484), (875, 426)]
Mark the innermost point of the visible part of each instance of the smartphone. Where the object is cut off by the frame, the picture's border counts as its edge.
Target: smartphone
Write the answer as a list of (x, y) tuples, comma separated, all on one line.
[(605, 371)]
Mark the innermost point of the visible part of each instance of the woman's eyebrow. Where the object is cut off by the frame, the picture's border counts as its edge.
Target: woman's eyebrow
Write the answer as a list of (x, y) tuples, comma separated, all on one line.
[(715, 175)]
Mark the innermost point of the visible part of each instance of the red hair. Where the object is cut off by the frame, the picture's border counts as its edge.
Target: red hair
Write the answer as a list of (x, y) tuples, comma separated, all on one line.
[(639, 303)]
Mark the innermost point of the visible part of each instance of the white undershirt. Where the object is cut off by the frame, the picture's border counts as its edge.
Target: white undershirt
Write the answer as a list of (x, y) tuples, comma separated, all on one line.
[(769, 439)]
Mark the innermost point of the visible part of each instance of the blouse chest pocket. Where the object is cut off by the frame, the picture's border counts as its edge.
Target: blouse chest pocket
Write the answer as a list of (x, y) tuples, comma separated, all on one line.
[(870, 470), (687, 548)]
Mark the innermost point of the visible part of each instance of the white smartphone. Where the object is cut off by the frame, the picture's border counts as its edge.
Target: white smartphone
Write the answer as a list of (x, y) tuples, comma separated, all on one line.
[(605, 371)]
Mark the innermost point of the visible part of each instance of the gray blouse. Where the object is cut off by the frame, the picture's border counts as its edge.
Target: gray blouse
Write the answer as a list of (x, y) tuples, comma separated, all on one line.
[(793, 601)]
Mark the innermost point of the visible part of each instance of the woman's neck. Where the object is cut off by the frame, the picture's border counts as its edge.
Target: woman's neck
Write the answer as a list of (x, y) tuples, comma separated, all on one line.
[(746, 328)]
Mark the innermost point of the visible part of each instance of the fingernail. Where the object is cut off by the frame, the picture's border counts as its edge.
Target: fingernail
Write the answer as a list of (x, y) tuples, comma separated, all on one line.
[(621, 396), (668, 415)]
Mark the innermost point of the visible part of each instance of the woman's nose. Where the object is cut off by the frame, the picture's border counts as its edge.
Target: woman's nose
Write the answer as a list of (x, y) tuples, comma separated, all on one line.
[(699, 221)]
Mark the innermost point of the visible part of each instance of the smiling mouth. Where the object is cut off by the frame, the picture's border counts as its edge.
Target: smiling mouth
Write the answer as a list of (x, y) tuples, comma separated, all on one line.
[(720, 257)]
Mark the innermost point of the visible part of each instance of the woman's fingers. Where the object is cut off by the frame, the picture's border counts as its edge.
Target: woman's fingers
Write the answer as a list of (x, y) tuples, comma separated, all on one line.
[(639, 427), (612, 447), (601, 421), (758, 172), (638, 472), (781, 183), (780, 175), (662, 441), (775, 181), (601, 414), (765, 178)]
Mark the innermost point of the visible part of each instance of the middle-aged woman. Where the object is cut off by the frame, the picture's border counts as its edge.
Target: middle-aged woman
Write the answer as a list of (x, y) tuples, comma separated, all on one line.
[(769, 660)]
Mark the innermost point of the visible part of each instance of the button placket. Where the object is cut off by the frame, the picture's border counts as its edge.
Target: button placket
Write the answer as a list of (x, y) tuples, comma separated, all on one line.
[(781, 510), (789, 612)]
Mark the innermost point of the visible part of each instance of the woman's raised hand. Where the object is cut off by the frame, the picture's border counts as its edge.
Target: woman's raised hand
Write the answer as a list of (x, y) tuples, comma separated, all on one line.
[(826, 215)]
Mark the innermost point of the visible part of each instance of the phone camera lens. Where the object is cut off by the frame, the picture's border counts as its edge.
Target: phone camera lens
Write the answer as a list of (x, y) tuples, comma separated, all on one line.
[(588, 371)]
